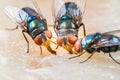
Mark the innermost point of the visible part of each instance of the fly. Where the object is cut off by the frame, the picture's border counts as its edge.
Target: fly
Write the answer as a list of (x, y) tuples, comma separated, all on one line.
[(67, 21), (107, 42), (33, 23)]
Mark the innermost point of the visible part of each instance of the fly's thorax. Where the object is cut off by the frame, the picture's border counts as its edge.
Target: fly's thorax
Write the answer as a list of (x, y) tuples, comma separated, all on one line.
[(90, 40), (87, 47), (36, 26)]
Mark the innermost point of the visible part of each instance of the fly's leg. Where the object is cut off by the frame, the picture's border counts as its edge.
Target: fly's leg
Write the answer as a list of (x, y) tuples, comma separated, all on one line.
[(77, 55), (12, 28), (114, 59), (82, 24), (87, 59), (57, 47), (41, 50), (26, 40)]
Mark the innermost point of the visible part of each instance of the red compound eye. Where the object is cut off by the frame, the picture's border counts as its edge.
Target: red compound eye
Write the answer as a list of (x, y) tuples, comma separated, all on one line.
[(77, 46), (38, 40), (71, 38), (59, 42), (49, 34)]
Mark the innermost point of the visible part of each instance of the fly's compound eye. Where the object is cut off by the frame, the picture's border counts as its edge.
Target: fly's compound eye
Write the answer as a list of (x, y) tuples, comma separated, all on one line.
[(41, 38), (38, 40), (77, 46), (48, 34), (71, 38), (59, 41)]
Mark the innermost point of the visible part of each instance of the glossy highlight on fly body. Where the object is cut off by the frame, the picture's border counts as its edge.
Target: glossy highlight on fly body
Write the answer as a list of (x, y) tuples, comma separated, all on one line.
[(107, 42), (67, 21), (32, 22)]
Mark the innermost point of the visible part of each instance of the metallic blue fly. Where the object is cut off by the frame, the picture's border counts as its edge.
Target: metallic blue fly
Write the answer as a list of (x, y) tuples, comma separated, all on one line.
[(107, 42)]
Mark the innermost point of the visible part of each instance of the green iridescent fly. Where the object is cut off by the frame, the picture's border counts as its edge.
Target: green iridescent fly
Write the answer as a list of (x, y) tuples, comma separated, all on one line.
[(32, 22)]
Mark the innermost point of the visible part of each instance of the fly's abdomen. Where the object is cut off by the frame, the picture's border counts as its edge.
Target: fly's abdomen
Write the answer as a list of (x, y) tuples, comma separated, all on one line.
[(109, 49), (36, 27), (112, 44)]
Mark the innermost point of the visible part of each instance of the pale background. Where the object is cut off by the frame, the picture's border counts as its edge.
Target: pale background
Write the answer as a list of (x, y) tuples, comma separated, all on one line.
[(16, 64)]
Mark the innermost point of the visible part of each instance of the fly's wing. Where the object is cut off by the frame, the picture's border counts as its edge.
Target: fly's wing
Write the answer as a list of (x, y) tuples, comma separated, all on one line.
[(79, 9), (34, 5), (58, 9), (76, 8), (110, 38), (15, 14)]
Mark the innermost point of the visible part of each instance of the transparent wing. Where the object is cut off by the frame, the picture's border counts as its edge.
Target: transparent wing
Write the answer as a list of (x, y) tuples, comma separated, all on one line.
[(15, 14), (82, 6), (56, 7), (112, 32), (105, 43), (110, 38), (34, 5), (76, 8)]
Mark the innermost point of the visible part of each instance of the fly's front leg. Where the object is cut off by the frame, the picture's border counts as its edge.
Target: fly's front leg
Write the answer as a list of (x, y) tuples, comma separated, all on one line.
[(23, 31), (82, 24)]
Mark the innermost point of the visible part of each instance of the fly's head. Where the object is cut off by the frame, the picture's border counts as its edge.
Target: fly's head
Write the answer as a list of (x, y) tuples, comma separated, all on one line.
[(77, 45), (43, 37), (66, 40)]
